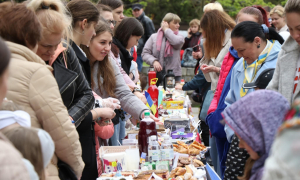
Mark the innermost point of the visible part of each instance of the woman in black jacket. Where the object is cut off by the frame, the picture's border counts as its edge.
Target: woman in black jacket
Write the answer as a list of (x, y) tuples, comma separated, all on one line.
[(73, 86)]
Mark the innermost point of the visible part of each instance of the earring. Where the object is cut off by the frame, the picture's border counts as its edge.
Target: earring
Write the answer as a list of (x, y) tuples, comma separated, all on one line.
[(258, 46), (83, 32)]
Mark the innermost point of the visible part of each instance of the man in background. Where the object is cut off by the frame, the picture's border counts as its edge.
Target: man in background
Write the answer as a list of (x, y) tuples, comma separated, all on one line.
[(138, 12)]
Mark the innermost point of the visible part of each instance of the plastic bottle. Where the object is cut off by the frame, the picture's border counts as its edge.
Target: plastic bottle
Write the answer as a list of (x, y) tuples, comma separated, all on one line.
[(167, 153), (182, 82), (153, 91), (151, 75), (147, 129), (154, 150)]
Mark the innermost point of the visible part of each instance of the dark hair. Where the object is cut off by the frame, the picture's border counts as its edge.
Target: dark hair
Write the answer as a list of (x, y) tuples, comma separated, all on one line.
[(101, 8), (114, 4), (249, 30), (83, 9), (19, 24), (258, 11), (5, 56), (267, 8), (127, 28)]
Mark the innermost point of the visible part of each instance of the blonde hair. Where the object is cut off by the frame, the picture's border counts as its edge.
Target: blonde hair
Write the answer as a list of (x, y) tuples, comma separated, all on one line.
[(172, 17), (278, 10), (26, 140), (53, 17), (195, 22), (213, 6)]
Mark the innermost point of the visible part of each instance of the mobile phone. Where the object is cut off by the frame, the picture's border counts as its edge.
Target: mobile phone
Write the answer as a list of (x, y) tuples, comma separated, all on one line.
[(196, 48)]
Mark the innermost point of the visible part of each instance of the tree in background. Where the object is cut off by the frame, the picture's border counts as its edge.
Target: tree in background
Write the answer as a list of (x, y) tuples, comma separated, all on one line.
[(190, 9)]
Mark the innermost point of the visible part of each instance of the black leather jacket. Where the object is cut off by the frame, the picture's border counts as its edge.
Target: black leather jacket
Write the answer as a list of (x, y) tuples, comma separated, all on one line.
[(148, 31), (73, 86)]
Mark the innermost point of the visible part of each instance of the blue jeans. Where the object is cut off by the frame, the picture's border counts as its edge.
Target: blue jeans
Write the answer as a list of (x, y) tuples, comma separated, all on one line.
[(214, 155), (139, 62), (119, 133)]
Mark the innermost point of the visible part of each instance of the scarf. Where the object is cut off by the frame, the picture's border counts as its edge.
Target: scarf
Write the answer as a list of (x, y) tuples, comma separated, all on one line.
[(60, 49), (255, 118), (169, 48), (252, 69)]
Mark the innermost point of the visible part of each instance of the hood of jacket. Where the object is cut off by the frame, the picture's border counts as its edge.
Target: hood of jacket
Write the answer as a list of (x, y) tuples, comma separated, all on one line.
[(234, 53), (23, 53), (255, 118)]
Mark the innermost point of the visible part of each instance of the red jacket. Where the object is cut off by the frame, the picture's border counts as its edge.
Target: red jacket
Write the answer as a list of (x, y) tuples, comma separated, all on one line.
[(225, 69)]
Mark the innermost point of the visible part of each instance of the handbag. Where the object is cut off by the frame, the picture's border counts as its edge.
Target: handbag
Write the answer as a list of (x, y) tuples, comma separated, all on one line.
[(187, 58), (206, 103), (65, 172)]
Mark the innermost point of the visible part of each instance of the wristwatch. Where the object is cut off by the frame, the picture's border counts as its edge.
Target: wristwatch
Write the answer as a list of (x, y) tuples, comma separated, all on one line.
[(136, 89)]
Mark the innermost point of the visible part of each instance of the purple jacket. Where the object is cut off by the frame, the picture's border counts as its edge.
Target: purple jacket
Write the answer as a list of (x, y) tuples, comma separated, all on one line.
[(255, 118), (150, 53)]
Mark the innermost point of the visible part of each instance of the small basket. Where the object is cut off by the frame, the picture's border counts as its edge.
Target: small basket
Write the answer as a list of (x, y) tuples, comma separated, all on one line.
[(114, 149)]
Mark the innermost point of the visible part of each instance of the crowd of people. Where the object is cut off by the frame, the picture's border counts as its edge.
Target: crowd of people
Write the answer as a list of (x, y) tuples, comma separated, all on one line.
[(69, 75)]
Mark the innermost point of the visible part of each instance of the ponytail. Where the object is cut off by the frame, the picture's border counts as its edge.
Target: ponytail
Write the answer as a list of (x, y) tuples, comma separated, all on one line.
[(249, 30), (273, 34), (264, 14), (53, 16)]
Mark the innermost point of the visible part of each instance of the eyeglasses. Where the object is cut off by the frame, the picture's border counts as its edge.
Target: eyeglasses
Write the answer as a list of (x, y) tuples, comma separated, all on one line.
[(111, 22)]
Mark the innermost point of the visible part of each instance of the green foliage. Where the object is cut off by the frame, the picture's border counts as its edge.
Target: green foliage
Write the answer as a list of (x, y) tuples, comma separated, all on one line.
[(190, 9), (232, 7)]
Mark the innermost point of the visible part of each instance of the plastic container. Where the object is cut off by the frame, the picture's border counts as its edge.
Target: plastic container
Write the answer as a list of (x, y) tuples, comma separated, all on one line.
[(151, 75), (169, 79), (167, 153), (147, 129), (154, 150), (129, 142)]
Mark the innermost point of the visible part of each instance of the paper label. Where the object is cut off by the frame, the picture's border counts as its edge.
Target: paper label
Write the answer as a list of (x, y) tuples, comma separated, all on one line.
[(167, 154), (154, 154)]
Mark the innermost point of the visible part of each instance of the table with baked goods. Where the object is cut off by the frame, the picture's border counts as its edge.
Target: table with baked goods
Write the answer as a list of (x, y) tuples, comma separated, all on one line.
[(125, 162)]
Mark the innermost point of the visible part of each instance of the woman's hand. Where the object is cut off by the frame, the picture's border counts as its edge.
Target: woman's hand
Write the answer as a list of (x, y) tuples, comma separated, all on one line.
[(151, 116), (164, 25), (157, 66), (104, 113), (178, 87), (112, 103), (209, 68), (141, 97), (197, 55), (130, 87)]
